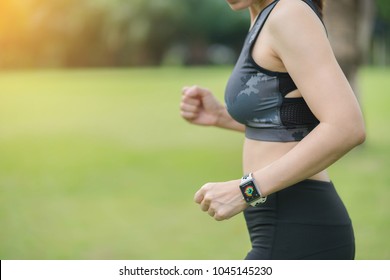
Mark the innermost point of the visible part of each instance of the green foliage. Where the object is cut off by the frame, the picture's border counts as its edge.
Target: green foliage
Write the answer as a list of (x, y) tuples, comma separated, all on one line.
[(76, 147), (384, 9), (80, 33), (109, 32)]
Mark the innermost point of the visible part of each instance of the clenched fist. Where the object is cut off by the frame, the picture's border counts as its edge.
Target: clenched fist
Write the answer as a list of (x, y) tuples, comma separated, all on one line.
[(199, 106), (221, 200)]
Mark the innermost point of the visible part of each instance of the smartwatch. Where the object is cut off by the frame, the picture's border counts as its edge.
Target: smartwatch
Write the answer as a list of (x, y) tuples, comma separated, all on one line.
[(250, 191)]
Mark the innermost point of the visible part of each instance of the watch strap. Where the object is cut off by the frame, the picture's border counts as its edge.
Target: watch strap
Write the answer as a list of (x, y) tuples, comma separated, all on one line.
[(262, 199)]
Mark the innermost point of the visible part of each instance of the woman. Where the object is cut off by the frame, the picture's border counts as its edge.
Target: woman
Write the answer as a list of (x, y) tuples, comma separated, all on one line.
[(299, 115)]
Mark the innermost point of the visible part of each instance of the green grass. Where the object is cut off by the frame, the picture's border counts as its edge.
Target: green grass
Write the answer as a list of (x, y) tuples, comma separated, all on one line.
[(98, 164)]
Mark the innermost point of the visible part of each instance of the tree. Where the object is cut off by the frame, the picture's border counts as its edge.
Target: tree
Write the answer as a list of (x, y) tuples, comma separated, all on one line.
[(350, 24)]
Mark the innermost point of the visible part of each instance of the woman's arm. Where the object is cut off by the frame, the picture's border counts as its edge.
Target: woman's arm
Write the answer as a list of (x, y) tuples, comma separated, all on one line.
[(304, 50), (199, 106)]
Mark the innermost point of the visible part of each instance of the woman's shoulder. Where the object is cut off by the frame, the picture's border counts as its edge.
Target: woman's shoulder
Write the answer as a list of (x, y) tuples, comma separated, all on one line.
[(294, 5), (287, 10), (294, 16)]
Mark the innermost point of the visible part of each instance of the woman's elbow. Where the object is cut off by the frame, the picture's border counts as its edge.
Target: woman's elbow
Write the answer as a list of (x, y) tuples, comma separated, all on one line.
[(357, 134), (361, 136)]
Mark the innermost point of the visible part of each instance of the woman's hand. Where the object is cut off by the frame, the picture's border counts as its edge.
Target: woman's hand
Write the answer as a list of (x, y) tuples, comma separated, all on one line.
[(221, 200), (199, 106)]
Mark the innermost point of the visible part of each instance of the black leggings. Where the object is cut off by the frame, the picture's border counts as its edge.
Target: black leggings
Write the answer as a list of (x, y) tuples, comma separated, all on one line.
[(305, 221)]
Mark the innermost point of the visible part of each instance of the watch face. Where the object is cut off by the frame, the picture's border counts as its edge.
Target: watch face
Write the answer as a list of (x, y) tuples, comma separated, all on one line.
[(249, 192)]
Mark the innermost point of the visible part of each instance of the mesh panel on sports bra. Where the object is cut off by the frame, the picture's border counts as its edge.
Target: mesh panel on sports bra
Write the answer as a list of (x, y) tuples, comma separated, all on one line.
[(294, 111)]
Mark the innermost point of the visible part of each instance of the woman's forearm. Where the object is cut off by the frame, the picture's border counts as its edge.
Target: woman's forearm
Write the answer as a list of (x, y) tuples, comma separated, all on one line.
[(317, 151), (226, 121)]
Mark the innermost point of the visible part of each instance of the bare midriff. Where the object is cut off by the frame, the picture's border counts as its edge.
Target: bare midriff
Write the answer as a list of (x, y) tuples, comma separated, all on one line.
[(259, 154)]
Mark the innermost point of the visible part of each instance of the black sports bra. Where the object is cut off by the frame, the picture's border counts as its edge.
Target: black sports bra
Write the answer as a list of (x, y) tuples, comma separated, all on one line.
[(256, 96)]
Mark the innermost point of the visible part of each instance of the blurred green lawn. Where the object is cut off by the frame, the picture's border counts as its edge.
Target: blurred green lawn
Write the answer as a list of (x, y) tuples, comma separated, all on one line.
[(98, 164)]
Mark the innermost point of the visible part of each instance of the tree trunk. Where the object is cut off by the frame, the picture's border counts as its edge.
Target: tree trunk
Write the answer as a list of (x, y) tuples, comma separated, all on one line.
[(349, 24)]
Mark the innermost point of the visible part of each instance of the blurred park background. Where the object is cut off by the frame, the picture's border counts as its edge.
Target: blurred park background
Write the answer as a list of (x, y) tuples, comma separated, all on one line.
[(95, 162)]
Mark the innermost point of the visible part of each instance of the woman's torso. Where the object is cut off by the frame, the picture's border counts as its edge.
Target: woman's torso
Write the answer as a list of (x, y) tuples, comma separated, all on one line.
[(258, 154)]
